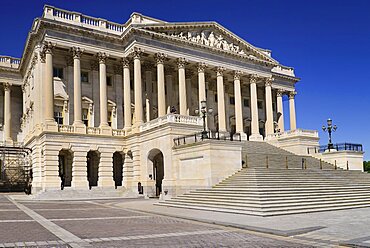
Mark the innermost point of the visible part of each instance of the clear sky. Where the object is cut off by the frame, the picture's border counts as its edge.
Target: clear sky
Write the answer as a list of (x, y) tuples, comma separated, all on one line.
[(327, 42)]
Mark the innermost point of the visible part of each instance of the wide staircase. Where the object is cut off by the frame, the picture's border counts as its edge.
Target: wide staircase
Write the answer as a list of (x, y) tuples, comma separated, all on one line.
[(277, 182)]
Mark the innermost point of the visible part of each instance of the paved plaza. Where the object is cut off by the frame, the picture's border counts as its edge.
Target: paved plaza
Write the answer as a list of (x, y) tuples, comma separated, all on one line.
[(114, 223)]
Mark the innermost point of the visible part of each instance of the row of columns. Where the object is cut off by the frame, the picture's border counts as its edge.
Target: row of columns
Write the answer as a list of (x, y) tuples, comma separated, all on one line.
[(181, 62)]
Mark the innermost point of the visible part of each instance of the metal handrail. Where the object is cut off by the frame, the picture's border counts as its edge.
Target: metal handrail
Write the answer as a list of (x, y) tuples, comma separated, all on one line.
[(336, 147)]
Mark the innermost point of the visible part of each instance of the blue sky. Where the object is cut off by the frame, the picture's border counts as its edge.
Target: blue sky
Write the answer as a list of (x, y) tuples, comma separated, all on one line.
[(327, 42)]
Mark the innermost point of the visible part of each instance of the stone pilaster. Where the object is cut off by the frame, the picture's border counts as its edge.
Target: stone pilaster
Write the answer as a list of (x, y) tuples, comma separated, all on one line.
[(255, 135), (293, 123), (181, 62), (77, 98), (221, 100), (79, 168), (269, 125), (138, 87), (238, 106), (280, 109), (7, 114), (105, 172), (126, 93), (160, 57), (105, 129)]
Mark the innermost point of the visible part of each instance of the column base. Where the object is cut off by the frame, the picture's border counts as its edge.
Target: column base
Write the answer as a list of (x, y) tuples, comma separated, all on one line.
[(105, 129), (83, 184), (241, 136), (106, 183), (79, 127), (256, 137), (50, 125)]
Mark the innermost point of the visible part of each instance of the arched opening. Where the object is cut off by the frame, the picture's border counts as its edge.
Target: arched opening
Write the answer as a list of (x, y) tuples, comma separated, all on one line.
[(118, 160), (65, 159), (93, 159), (232, 124), (156, 157)]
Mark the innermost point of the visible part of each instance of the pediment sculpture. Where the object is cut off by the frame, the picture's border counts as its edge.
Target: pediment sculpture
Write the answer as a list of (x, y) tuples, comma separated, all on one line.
[(209, 38)]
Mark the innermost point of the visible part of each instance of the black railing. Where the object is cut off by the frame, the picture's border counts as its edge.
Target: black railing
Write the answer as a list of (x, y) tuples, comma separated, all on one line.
[(209, 135), (335, 147)]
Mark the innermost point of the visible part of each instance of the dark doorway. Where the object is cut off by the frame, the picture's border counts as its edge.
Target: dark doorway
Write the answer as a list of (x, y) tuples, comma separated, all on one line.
[(117, 168), (156, 156), (93, 160), (65, 167)]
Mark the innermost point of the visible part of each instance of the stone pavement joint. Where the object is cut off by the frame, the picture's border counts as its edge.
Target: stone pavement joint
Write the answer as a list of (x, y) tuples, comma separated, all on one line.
[(61, 233)]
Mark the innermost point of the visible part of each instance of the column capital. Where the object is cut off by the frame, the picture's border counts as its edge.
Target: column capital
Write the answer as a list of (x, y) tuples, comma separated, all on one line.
[(220, 71), (253, 78), (181, 62), (48, 47), (136, 52), (76, 52), (160, 58), (292, 94), (268, 81), (280, 92), (201, 66), (125, 62), (237, 75), (42, 57), (7, 86), (102, 57)]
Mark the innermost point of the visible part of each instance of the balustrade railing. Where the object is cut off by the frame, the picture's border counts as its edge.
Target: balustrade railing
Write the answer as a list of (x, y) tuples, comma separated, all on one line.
[(93, 130), (336, 147), (209, 135), (11, 62), (172, 118), (292, 133), (66, 128), (118, 132), (82, 20)]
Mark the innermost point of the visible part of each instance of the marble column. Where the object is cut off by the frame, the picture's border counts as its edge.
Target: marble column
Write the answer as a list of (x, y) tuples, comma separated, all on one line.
[(160, 57), (255, 135), (7, 114), (221, 100), (201, 84), (126, 93), (293, 124), (269, 125), (138, 88), (77, 97), (238, 106), (48, 84), (102, 57), (280, 109), (182, 86)]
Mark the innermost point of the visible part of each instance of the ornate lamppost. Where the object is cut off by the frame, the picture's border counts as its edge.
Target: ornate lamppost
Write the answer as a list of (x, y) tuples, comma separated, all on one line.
[(204, 111), (330, 128)]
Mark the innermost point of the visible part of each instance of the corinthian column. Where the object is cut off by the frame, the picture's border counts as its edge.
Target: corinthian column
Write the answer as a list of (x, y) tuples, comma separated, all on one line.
[(201, 84), (102, 57), (293, 124), (49, 122), (160, 57), (221, 100), (238, 106), (137, 88), (7, 114), (269, 126), (127, 93), (280, 109), (76, 53), (255, 135), (182, 86)]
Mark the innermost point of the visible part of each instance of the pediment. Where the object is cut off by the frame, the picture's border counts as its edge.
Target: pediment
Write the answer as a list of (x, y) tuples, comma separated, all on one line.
[(211, 35)]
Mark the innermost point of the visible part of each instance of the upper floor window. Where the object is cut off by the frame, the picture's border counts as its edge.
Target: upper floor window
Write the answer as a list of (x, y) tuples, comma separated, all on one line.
[(110, 118), (58, 72), (109, 81), (246, 102), (84, 76), (58, 115), (260, 104), (232, 100), (85, 117)]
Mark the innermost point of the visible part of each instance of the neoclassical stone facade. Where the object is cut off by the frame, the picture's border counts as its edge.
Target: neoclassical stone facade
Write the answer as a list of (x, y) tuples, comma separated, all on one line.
[(100, 103)]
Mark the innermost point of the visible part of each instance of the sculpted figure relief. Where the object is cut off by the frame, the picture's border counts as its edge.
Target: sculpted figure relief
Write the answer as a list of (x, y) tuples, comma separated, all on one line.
[(211, 40)]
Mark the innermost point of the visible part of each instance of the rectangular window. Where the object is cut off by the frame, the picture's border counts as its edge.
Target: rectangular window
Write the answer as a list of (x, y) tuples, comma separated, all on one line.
[(246, 102), (232, 100), (110, 118), (260, 104), (84, 76), (85, 117), (109, 81), (58, 116), (58, 72)]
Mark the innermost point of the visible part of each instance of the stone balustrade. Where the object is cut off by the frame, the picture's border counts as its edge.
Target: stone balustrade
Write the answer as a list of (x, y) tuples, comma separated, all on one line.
[(66, 128), (93, 130), (118, 132), (9, 62), (82, 20), (293, 133), (172, 118)]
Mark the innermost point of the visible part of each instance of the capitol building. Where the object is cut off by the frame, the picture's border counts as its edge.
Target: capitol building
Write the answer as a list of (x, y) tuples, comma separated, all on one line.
[(148, 107)]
